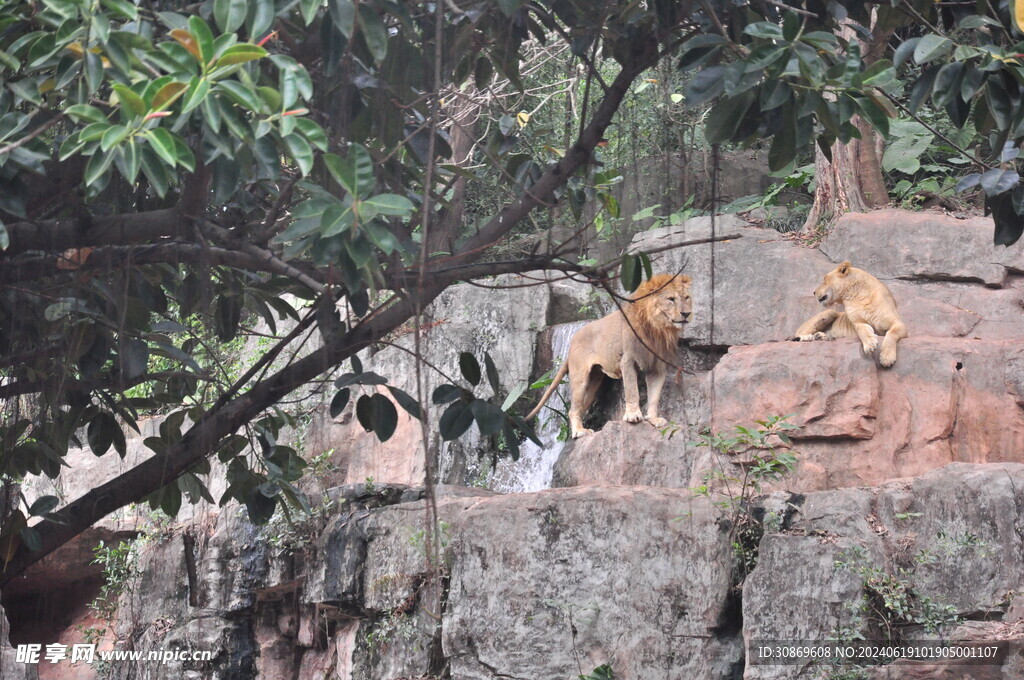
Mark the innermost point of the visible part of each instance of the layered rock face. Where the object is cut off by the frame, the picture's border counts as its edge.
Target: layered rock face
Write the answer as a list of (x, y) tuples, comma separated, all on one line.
[(908, 483), (955, 394)]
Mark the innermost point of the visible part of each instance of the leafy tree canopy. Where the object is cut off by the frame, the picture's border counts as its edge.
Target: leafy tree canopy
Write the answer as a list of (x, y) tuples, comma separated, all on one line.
[(170, 172)]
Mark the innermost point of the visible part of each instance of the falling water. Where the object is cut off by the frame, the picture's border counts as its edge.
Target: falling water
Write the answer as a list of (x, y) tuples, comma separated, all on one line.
[(533, 470)]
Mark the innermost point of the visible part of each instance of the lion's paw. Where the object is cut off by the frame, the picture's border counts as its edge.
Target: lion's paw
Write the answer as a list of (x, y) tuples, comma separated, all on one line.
[(887, 358), (870, 346), (633, 415), (814, 336), (579, 433), (657, 421)]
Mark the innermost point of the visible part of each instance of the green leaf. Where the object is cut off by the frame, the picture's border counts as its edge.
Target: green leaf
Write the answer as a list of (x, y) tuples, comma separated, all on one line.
[(367, 378), (910, 141), (998, 181), (904, 51), (947, 83), (43, 505), (339, 401), (374, 32), (764, 29), (489, 418), (100, 433), (337, 219), (455, 421), (631, 273), (879, 74), (239, 54), (122, 8), (240, 94), (391, 205), (228, 316), (932, 46), (509, 7), (198, 89), (259, 506), (261, 18), (492, 373), (301, 151), (407, 402), (200, 30), (725, 117), (309, 9), (230, 14), (922, 88), (112, 137), (31, 538), (469, 367), (343, 14), (86, 113), (134, 359), (131, 101), (385, 417), (313, 133), (382, 237), (705, 86), (355, 173), (446, 393), (98, 164), (162, 142), (784, 142)]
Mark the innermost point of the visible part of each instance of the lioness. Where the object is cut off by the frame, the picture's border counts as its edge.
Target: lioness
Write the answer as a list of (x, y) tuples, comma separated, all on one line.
[(869, 309), (656, 312)]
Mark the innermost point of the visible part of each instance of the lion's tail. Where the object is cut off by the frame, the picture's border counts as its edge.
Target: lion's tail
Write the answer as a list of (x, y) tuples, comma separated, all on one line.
[(551, 388)]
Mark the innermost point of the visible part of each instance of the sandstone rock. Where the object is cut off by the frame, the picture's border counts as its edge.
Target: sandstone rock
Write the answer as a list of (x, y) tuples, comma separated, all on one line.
[(503, 322), (895, 244), (953, 531), (945, 400), (860, 424), (763, 282), (640, 574)]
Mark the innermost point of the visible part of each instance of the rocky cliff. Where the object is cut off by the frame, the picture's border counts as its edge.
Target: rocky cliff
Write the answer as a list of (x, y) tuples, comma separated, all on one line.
[(902, 517)]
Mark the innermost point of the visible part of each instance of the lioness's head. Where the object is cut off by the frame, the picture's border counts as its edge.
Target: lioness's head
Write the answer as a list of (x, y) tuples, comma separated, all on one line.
[(663, 301), (833, 285)]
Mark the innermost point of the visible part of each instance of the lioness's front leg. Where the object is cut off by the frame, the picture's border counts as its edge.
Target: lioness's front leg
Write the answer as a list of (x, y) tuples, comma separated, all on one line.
[(631, 390), (655, 381), (817, 327), (887, 357), (868, 339)]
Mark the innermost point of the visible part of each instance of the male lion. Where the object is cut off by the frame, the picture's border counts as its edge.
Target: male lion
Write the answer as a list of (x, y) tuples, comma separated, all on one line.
[(869, 309), (656, 313)]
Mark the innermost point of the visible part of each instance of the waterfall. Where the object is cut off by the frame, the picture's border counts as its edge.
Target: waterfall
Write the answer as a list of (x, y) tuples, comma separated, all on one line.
[(533, 470)]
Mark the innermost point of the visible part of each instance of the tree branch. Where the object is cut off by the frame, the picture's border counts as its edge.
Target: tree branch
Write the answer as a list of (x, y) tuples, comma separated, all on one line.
[(115, 257), (57, 235), (203, 437), (576, 157)]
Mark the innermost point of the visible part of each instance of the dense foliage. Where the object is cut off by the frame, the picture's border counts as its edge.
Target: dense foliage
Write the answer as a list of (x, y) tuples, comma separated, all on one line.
[(172, 172)]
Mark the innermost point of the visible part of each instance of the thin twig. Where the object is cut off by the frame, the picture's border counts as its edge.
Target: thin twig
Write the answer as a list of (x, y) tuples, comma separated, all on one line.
[(32, 135), (947, 140)]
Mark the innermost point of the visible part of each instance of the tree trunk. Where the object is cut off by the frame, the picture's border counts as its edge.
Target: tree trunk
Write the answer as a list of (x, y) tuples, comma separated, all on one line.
[(852, 181)]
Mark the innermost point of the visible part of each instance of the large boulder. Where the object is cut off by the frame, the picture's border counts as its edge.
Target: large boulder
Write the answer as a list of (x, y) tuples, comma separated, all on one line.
[(923, 246), (945, 400), (634, 577), (949, 541)]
